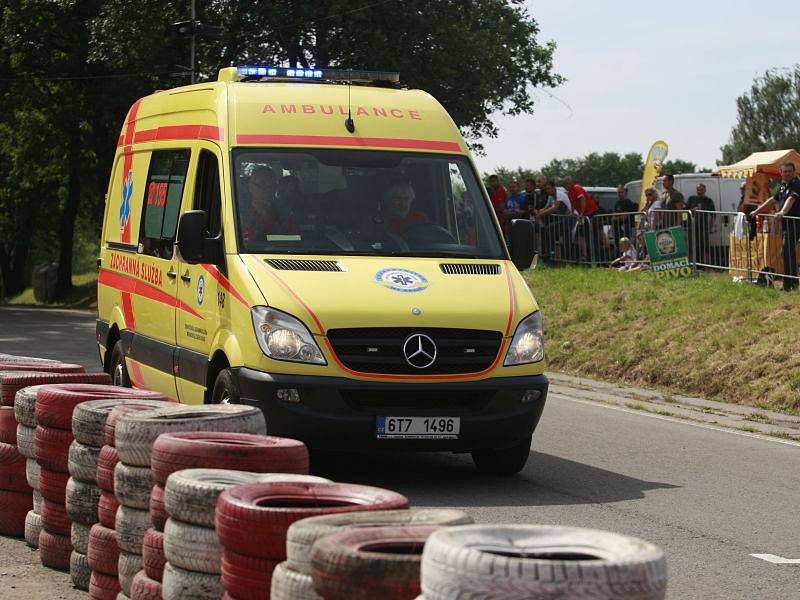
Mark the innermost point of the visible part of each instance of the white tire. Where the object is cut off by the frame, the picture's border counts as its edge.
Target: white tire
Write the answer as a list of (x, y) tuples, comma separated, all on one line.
[(32, 471), (288, 584), (80, 538), (89, 420), (191, 494), (33, 527), (302, 534), (127, 568), (81, 502), (25, 437), (25, 406), (37, 502), (79, 571), (180, 584), (131, 525), (510, 562), (192, 547), (135, 432), (132, 485), (82, 462)]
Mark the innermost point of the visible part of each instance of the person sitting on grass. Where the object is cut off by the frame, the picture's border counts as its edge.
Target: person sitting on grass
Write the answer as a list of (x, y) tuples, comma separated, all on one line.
[(628, 259)]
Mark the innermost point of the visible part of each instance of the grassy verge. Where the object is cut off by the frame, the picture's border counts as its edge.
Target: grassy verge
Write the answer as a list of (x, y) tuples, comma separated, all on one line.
[(703, 336), (83, 295)]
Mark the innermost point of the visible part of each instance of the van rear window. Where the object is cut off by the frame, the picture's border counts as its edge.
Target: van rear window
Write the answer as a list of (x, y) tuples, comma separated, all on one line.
[(162, 201)]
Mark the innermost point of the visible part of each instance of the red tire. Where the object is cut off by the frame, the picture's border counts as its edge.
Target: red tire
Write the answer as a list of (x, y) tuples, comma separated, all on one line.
[(13, 381), (14, 506), (53, 485), (245, 577), (55, 518), (153, 558), (12, 470), (369, 562), (103, 552), (238, 451), (51, 448), (42, 367), (131, 406), (54, 550), (158, 512), (54, 404), (145, 588), (103, 587), (253, 519), (8, 425), (105, 468), (107, 509)]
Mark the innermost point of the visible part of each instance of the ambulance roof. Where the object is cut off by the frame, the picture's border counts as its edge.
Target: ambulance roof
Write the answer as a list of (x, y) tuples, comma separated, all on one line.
[(285, 113)]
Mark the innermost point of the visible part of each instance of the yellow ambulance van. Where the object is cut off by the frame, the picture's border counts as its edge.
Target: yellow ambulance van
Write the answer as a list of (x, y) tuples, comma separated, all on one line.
[(318, 243)]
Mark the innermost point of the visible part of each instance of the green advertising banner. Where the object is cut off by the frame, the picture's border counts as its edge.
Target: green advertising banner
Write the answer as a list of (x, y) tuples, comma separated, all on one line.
[(667, 251)]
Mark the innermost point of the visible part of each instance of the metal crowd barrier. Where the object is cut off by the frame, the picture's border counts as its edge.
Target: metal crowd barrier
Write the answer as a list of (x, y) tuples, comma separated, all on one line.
[(557, 239)]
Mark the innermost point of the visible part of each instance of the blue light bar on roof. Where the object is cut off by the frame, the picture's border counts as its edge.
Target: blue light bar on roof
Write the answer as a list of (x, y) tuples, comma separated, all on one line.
[(326, 74)]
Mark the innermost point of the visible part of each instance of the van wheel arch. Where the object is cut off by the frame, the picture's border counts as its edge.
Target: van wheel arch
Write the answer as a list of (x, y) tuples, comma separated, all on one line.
[(219, 362), (113, 338)]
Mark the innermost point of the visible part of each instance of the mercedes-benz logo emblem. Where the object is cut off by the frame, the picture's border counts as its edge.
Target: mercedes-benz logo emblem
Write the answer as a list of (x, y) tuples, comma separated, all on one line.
[(419, 350)]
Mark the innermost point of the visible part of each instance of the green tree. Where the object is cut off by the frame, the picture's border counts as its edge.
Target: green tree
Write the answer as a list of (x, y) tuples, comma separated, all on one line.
[(768, 116)]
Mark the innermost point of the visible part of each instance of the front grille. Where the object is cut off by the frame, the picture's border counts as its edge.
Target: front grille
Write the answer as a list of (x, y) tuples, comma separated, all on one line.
[(426, 402), (469, 269), (303, 265), (380, 349)]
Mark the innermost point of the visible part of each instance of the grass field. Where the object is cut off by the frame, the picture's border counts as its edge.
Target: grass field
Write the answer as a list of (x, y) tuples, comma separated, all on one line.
[(82, 296), (703, 336)]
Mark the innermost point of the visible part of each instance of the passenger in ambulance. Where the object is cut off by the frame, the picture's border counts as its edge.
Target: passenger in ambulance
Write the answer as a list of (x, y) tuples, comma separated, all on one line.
[(260, 210), (395, 206)]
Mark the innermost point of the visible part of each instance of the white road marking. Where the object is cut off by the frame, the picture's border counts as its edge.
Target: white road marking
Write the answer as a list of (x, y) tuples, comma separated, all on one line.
[(777, 560), (644, 413)]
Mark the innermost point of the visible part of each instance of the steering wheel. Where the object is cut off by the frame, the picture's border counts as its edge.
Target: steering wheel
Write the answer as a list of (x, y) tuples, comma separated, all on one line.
[(421, 234)]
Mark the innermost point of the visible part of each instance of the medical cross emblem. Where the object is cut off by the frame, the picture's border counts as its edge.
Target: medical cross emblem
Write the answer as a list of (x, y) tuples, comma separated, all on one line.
[(401, 280)]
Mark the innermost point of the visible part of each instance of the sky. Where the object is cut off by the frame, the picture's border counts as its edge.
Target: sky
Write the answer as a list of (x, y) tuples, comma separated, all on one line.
[(641, 71)]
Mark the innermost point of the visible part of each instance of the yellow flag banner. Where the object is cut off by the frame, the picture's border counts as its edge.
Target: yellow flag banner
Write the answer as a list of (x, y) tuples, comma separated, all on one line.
[(656, 158)]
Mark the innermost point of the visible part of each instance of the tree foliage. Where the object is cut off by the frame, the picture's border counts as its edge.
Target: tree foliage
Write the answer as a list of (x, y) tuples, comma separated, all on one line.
[(595, 169), (70, 69), (768, 116)]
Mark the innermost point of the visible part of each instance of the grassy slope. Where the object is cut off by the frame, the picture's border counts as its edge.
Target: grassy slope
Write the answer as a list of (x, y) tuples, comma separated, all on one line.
[(82, 296), (702, 336)]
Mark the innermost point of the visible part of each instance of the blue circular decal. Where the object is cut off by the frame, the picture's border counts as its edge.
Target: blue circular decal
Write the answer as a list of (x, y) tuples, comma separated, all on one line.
[(201, 289), (401, 280)]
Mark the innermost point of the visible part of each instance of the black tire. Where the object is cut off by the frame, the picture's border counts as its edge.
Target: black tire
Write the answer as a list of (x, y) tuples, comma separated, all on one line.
[(503, 461), (117, 368), (224, 391)]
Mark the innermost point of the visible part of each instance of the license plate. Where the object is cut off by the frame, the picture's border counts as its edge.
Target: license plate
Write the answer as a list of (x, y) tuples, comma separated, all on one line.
[(411, 428)]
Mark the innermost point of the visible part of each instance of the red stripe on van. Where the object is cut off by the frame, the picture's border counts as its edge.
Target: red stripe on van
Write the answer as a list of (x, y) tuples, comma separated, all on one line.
[(223, 281), (510, 300), (343, 140), (127, 284), (180, 132), (311, 313)]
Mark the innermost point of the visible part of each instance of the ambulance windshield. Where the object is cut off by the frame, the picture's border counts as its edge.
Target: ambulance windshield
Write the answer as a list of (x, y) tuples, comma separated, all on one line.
[(361, 202)]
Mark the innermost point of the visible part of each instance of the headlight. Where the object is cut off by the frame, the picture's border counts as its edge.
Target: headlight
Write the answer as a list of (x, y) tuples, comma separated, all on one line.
[(528, 343), (283, 337)]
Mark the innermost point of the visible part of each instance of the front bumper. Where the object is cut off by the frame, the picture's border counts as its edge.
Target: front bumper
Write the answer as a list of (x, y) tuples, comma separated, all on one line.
[(340, 414)]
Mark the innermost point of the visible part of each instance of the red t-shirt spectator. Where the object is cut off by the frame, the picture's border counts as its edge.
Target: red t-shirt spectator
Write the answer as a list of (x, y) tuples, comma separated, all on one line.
[(499, 195), (590, 206)]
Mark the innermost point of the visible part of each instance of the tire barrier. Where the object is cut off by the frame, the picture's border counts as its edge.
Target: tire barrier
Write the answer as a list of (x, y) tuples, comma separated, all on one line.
[(252, 522), (25, 416), (288, 584), (39, 366), (8, 426), (301, 535), (371, 562), (153, 558), (13, 381), (538, 561)]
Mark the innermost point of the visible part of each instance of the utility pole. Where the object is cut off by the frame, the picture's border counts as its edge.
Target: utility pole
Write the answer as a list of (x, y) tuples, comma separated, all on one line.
[(191, 58), (191, 29)]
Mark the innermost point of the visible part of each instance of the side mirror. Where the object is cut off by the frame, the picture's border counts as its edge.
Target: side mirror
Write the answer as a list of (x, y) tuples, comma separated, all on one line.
[(192, 242), (522, 243)]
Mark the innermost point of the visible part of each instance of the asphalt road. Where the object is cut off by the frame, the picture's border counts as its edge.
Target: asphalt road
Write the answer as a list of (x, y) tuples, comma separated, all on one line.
[(709, 498)]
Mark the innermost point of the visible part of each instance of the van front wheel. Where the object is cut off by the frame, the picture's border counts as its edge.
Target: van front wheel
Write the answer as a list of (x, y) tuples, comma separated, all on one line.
[(117, 368), (224, 391), (504, 461)]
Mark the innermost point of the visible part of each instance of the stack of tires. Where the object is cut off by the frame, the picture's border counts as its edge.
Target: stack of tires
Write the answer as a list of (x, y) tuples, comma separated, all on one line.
[(188, 541), (16, 495), (25, 413), (135, 434), (252, 522), (292, 579), (540, 561), (83, 494), (13, 381), (103, 550), (191, 547)]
